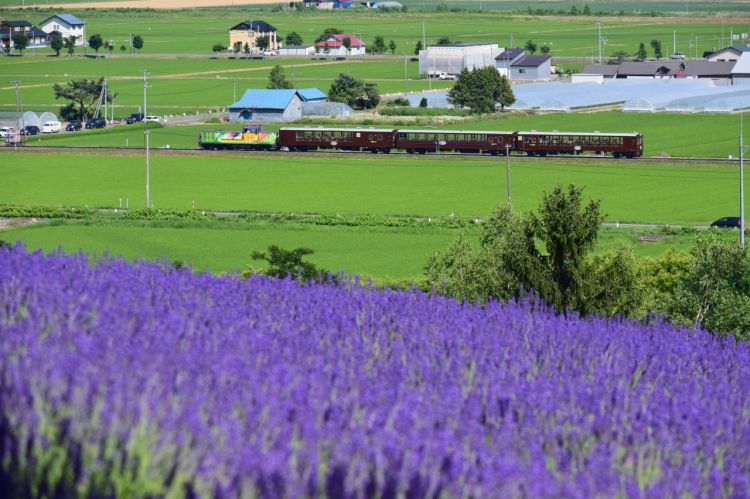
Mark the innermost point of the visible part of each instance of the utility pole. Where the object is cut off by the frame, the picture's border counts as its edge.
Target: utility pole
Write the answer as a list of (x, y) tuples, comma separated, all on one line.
[(600, 42), (146, 132), (406, 74), (19, 112), (674, 42), (742, 188), (507, 172), (424, 39), (105, 100)]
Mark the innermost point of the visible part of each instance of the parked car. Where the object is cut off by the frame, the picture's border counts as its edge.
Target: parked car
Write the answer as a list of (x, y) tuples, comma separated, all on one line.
[(727, 223), (269, 52), (4, 131), (152, 119), (51, 127), (74, 125), (134, 118), (96, 123), (30, 130), (677, 55)]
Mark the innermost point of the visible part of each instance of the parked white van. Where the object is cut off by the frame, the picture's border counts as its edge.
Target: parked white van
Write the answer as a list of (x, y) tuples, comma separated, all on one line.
[(51, 127)]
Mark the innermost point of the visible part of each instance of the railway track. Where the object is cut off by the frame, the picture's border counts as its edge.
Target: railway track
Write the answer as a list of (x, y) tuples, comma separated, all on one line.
[(194, 151)]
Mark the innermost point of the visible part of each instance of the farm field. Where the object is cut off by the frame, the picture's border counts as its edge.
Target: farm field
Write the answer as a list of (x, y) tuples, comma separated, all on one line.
[(399, 253), (357, 184), (195, 31), (181, 85), (664, 133)]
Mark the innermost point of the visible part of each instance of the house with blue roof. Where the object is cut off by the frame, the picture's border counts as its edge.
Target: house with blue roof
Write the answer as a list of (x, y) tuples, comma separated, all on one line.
[(273, 104), (65, 25)]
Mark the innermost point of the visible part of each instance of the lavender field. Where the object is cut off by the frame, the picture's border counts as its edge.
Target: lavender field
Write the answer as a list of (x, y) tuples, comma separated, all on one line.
[(144, 381)]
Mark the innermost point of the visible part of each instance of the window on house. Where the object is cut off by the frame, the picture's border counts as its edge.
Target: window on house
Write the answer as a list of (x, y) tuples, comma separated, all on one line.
[(521, 70)]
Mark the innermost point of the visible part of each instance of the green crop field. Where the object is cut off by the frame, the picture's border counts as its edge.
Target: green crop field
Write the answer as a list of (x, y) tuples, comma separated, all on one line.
[(664, 133), (357, 184), (196, 31)]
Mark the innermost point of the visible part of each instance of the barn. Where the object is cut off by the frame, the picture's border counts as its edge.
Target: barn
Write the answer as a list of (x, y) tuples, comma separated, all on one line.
[(273, 104)]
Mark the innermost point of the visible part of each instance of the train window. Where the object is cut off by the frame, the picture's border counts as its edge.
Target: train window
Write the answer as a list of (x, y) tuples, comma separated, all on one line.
[(371, 136), (359, 134), (380, 136)]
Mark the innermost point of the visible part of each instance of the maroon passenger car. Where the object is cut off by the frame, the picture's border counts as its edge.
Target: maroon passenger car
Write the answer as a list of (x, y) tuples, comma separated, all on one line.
[(348, 139), (533, 143), (421, 141)]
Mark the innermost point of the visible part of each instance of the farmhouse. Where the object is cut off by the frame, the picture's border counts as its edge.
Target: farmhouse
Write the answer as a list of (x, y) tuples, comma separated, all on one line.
[(248, 32), (334, 45), (65, 25), (273, 105), (297, 50), (35, 36), (454, 57), (507, 57), (731, 53), (531, 68)]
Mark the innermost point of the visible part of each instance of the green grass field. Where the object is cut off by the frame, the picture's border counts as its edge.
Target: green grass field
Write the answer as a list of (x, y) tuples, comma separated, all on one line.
[(357, 184), (664, 133)]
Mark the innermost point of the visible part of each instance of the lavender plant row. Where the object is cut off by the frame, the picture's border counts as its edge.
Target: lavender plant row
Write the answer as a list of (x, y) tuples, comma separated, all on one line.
[(136, 380)]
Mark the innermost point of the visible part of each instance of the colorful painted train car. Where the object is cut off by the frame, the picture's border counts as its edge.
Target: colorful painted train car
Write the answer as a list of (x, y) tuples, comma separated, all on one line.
[(250, 137)]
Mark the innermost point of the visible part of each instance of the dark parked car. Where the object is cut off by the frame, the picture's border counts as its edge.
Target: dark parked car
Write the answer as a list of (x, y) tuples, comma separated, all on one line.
[(727, 223), (96, 123), (134, 118), (74, 125), (30, 130)]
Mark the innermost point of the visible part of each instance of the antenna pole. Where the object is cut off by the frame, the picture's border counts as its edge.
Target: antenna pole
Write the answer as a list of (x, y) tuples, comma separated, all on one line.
[(742, 188)]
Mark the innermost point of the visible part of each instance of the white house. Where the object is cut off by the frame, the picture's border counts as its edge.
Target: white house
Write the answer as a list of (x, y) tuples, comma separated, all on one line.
[(334, 45), (65, 25)]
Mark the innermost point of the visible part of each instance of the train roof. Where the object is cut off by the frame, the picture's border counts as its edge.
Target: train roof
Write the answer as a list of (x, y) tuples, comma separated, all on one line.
[(591, 134), (327, 129), (409, 130)]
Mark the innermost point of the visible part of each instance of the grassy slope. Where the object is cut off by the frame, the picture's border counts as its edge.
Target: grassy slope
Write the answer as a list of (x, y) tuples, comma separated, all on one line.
[(403, 185)]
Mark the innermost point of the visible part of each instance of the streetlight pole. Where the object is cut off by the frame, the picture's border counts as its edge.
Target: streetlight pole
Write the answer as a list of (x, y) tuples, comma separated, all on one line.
[(507, 172), (742, 188)]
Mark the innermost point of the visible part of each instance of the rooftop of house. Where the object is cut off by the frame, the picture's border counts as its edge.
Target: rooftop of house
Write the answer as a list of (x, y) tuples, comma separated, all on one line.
[(256, 98), (601, 69), (68, 18), (258, 26), (336, 41), (509, 54), (532, 61)]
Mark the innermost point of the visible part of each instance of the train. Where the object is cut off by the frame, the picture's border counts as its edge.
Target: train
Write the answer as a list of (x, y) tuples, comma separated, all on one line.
[(385, 140)]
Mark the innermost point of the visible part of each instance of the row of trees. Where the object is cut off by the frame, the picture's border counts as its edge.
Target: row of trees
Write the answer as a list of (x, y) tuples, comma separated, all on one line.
[(549, 254), (640, 55), (58, 43), (345, 88)]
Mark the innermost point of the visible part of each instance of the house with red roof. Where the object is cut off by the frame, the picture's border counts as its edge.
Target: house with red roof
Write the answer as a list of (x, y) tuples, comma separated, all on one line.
[(335, 45)]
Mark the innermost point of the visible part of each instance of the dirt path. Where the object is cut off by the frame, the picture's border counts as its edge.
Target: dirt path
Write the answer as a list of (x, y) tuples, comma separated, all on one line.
[(14, 223)]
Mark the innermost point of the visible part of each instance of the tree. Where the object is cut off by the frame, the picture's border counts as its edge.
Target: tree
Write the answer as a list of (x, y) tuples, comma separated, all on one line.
[(392, 47), (293, 38), (96, 42), (545, 253), (481, 89), (444, 40), (656, 45), (138, 42), (354, 92), (618, 57), (237, 47), (641, 54), (574, 11), (110, 46), (327, 33), (530, 46), (418, 48), (56, 44), (347, 43), (715, 291), (70, 44), (586, 10), (123, 48), (82, 94), (284, 263), (545, 49), (20, 42), (246, 49), (423, 102), (277, 78), (263, 42), (218, 48), (378, 45)]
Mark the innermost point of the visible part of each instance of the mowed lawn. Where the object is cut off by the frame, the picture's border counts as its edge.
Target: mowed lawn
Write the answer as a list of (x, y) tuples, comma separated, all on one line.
[(692, 135), (365, 184), (377, 252)]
